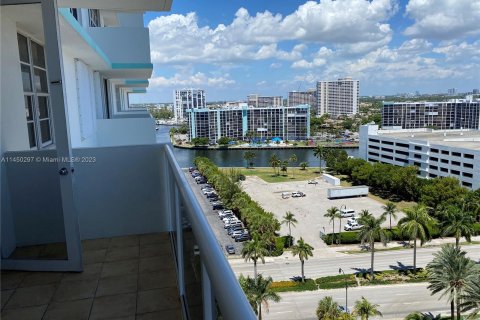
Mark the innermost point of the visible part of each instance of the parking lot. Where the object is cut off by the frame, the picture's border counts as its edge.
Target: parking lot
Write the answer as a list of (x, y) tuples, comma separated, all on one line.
[(212, 217), (308, 210)]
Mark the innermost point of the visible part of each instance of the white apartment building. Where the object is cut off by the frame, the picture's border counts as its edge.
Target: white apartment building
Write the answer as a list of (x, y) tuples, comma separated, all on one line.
[(258, 101), (78, 163), (187, 99), (338, 97), (436, 153)]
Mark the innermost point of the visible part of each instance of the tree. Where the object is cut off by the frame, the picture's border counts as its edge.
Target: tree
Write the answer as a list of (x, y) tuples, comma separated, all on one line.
[(303, 250), (450, 272), (293, 159), (332, 213), (422, 316), (259, 292), (274, 162), (303, 165), (223, 141), (328, 309), (471, 298), (372, 230), (441, 192), (253, 250), (249, 156), (319, 152), (390, 209), (284, 166), (289, 220), (459, 223), (364, 309), (416, 224), (199, 141)]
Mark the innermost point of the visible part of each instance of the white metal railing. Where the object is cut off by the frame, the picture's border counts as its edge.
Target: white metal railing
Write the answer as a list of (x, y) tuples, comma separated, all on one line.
[(226, 288)]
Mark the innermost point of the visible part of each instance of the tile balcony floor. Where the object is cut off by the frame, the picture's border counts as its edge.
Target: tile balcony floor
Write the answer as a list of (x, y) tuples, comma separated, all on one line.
[(131, 277)]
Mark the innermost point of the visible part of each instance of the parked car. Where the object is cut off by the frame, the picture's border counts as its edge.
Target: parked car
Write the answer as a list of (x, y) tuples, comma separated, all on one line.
[(211, 194), (223, 213), (229, 220), (243, 237), (298, 194), (230, 249), (234, 229), (347, 213), (217, 205), (237, 233), (233, 223), (207, 186), (191, 169), (352, 226), (352, 220), (208, 190), (212, 199), (312, 182)]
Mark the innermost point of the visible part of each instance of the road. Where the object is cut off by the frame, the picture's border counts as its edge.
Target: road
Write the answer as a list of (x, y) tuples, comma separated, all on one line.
[(395, 301), (286, 266)]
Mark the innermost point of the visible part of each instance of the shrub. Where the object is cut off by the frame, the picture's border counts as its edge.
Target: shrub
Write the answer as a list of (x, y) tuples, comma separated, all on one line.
[(284, 286), (347, 237)]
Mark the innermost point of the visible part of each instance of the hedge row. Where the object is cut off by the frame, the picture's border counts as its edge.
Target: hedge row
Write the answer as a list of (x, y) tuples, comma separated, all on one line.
[(351, 237), (259, 221)]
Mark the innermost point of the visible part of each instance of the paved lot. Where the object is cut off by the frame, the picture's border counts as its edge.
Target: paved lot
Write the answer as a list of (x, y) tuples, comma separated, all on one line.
[(212, 217), (308, 210)]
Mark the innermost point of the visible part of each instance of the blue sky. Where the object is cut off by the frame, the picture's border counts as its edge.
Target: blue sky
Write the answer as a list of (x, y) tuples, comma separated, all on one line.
[(234, 48)]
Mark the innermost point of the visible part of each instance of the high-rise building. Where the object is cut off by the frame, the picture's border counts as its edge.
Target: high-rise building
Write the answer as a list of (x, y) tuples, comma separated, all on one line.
[(455, 114), (257, 101), (452, 91), (338, 97), (287, 123), (436, 153), (187, 99), (309, 97), (475, 91)]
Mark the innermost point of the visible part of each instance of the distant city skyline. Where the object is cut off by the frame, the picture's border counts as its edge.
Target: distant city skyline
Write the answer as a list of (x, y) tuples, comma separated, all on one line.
[(235, 48)]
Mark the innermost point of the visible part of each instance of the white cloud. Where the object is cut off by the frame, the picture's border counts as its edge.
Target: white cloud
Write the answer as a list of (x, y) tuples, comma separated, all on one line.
[(178, 38), (443, 19), (275, 65), (460, 53), (197, 79)]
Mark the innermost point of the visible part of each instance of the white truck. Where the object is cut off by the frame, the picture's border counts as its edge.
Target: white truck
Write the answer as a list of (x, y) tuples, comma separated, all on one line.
[(348, 192)]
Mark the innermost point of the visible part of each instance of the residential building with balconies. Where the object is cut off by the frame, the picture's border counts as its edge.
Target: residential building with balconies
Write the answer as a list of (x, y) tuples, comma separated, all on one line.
[(86, 192)]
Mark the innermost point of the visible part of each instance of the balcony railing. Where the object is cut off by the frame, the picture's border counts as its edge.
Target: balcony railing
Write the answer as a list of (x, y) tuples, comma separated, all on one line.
[(226, 289)]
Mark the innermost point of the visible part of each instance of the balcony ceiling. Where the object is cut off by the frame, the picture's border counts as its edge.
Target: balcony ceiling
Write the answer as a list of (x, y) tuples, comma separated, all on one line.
[(120, 5)]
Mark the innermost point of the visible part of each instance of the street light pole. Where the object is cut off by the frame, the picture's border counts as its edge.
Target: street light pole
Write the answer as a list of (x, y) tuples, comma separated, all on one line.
[(340, 271)]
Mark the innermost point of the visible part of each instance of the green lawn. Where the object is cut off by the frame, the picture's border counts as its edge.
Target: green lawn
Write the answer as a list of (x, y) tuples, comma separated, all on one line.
[(267, 174)]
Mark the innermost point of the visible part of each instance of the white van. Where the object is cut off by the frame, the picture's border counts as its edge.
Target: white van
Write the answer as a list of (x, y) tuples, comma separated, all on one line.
[(347, 213), (285, 195)]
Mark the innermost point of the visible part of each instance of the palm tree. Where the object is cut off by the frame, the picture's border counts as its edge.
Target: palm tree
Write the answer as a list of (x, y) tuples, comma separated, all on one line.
[(390, 209), (303, 165), (339, 216), (249, 156), (284, 166), (274, 162), (254, 250), (422, 316), (319, 152), (332, 213), (289, 220), (471, 298), (304, 250), (371, 231), (416, 224), (459, 223), (293, 159), (451, 272), (259, 292), (364, 309), (328, 309)]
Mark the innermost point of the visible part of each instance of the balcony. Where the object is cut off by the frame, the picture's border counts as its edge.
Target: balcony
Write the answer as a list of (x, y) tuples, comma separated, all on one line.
[(132, 276), (136, 216)]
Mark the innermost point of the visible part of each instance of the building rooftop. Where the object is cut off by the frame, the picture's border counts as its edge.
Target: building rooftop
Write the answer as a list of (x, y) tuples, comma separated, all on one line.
[(469, 139)]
